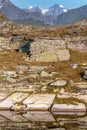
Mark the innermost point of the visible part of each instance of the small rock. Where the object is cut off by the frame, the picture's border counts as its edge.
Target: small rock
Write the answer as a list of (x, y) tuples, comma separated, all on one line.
[(56, 90), (57, 129), (44, 88), (74, 66), (34, 75), (18, 107), (85, 74), (62, 91), (59, 83), (45, 74), (11, 80)]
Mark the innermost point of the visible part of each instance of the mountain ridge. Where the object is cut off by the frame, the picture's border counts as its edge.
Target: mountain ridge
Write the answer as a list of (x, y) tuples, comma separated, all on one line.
[(56, 9), (72, 15)]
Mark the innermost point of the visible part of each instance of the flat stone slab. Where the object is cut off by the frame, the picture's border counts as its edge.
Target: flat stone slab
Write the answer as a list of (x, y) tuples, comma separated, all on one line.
[(13, 99), (39, 102), (69, 107), (75, 113)]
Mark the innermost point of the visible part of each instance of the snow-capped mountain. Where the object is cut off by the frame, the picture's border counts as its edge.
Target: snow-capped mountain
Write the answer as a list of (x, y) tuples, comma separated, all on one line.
[(36, 9), (36, 15), (54, 10)]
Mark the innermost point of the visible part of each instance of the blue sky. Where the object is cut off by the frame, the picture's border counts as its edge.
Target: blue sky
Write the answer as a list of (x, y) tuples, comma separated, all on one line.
[(48, 3)]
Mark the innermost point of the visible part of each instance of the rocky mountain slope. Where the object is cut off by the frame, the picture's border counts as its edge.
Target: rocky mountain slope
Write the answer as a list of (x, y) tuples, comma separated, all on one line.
[(43, 68), (72, 15)]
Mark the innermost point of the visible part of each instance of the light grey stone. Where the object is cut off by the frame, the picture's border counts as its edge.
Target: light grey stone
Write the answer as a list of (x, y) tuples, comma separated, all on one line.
[(59, 83), (39, 101), (45, 74), (13, 99), (69, 107), (81, 97), (11, 80), (6, 104), (74, 66), (8, 73), (57, 129)]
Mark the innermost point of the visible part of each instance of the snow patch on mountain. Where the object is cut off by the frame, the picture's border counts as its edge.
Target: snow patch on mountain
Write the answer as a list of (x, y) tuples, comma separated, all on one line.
[(61, 6), (43, 11), (65, 10), (1, 5), (29, 7)]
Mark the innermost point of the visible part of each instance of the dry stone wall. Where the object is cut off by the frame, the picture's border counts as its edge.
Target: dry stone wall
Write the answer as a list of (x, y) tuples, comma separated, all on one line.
[(49, 50)]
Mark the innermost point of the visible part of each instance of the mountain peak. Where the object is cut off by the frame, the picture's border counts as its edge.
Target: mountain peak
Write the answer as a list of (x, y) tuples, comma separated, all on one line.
[(55, 10)]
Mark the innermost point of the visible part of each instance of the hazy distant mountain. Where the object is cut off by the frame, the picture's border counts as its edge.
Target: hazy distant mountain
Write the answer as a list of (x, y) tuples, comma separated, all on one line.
[(54, 10), (48, 16), (72, 15)]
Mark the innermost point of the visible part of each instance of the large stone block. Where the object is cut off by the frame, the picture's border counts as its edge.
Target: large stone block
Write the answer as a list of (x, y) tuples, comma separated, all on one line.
[(63, 55), (39, 102), (48, 56), (13, 99)]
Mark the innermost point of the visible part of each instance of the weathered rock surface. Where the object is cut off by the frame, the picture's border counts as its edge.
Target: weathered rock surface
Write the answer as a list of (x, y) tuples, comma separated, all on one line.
[(39, 101), (13, 99)]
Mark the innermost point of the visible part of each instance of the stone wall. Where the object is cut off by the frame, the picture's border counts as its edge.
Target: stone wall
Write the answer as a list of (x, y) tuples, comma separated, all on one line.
[(78, 46), (49, 50)]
